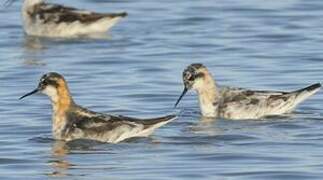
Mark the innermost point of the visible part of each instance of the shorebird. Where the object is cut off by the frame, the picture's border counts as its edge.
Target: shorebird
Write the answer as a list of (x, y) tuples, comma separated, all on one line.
[(54, 20), (239, 103), (71, 121)]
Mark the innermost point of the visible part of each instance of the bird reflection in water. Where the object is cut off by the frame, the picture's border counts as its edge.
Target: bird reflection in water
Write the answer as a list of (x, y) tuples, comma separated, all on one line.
[(59, 164), (61, 149), (207, 126), (32, 47), (32, 43)]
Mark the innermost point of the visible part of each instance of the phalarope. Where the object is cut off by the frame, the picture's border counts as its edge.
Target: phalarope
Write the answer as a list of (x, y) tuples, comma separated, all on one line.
[(71, 121), (239, 103), (53, 20)]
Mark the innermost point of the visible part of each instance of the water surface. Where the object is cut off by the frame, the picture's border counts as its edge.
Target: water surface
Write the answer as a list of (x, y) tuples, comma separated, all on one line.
[(136, 71)]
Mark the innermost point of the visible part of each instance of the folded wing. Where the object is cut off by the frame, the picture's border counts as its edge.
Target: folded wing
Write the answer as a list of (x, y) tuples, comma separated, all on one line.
[(113, 129), (238, 103), (61, 14)]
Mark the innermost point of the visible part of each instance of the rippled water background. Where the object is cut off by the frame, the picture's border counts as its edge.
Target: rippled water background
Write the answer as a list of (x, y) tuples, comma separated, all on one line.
[(137, 71)]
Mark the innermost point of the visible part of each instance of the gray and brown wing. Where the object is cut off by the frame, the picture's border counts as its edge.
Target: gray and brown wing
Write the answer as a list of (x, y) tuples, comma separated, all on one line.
[(108, 128), (247, 104), (102, 123), (147, 123), (102, 128), (233, 91), (242, 103), (110, 121), (61, 14)]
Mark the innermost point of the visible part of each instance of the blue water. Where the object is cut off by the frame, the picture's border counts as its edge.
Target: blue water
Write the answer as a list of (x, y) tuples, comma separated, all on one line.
[(136, 71)]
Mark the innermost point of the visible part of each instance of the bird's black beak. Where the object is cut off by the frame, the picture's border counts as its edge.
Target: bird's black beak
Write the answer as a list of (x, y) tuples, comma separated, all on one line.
[(179, 99), (30, 93)]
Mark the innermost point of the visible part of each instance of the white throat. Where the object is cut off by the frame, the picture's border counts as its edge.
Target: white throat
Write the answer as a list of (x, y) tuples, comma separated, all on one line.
[(51, 92), (208, 96)]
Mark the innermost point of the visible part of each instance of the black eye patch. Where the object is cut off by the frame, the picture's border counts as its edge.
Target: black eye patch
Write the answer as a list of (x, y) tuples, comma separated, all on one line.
[(46, 82), (52, 82), (191, 74), (198, 75)]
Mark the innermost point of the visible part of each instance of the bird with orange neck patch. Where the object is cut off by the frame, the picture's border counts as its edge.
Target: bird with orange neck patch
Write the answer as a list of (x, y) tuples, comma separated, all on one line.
[(71, 121), (239, 103)]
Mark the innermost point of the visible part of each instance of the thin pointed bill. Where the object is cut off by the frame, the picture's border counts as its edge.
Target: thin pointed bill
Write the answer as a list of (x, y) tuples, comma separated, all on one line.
[(28, 94), (182, 95)]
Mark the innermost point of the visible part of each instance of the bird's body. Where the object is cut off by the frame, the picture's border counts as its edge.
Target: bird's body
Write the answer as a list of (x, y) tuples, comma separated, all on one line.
[(71, 121), (80, 123), (239, 103), (53, 20)]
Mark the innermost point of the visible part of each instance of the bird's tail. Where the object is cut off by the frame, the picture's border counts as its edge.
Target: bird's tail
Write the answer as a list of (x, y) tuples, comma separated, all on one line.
[(151, 124), (158, 122), (108, 21), (113, 15)]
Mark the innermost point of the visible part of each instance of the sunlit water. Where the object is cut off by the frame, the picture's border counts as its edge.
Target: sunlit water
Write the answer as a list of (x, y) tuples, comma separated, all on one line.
[(136, 71)]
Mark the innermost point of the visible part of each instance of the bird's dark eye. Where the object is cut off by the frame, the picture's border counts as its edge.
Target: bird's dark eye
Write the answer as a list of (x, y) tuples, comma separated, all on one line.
[(191, 77), (188, 76)]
